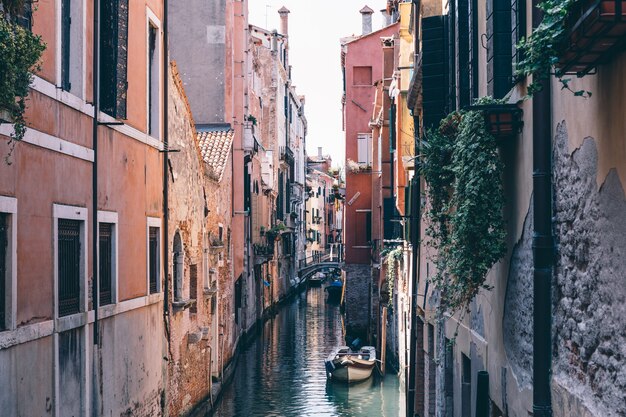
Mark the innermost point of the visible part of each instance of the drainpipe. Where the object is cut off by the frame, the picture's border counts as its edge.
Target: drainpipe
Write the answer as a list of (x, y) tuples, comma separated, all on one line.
[(415, 239), (165, 249), (94, 174), (543, 243)]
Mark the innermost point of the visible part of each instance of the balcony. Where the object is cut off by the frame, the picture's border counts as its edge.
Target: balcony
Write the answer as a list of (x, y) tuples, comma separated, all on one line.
[(595, 31), (286, 154)]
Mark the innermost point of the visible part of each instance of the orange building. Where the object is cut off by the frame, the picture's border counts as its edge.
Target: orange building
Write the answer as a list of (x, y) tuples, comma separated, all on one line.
[(84, 277)]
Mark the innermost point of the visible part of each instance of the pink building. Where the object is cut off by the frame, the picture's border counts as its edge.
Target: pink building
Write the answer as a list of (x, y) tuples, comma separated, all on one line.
[(362, 65)]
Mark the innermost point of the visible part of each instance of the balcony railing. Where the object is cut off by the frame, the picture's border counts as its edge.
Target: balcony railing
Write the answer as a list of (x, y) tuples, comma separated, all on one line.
[(286, 154)]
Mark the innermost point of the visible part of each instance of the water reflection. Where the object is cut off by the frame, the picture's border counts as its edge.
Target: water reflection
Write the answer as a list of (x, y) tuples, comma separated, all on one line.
[(282, 373)]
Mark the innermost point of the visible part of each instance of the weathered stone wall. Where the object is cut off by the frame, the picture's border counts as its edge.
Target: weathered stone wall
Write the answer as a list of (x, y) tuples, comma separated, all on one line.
[(357, 299), (589, 295), (517, 322)]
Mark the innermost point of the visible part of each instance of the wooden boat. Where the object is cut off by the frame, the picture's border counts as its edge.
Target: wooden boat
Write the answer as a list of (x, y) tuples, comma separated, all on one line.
[(316, 280), (344, 364), (334, 290)]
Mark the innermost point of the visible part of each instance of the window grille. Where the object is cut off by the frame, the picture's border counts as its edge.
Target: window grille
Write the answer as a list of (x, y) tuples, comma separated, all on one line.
[(4, 243), (153, 262), (105, 263), (69, 247), (113, 57)]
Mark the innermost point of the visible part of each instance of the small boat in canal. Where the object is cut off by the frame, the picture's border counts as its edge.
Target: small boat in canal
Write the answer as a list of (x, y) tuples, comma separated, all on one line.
[(317, 279), (344, 364), (334, 290)]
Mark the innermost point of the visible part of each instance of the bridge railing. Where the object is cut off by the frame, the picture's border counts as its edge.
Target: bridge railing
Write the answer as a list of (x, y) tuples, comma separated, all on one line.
[(320, 256)]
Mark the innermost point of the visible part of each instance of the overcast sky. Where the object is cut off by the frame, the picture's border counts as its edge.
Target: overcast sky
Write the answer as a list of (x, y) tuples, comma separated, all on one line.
[(315, 27)]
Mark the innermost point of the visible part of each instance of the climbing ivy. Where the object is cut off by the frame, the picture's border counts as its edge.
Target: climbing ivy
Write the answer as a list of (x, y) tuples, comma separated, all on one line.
[(465, 206), (20, 54), (541, 50)]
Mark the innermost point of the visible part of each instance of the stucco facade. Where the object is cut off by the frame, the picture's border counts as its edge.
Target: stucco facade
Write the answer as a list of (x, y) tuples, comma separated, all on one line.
[(51, 363)]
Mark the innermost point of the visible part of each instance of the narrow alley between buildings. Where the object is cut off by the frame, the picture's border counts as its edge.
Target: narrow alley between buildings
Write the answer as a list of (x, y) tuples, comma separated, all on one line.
[(241, 208)]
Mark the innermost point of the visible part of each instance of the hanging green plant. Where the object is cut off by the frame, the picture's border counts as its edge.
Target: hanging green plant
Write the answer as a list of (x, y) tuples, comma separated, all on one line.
[(465, 206), (392, 260), (541, 50), (20, 54)]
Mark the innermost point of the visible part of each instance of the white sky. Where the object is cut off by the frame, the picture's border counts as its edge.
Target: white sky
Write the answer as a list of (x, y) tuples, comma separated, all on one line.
[(315, 27)]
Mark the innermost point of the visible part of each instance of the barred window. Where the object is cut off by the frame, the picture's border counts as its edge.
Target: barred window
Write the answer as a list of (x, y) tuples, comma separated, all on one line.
[(69, 248)]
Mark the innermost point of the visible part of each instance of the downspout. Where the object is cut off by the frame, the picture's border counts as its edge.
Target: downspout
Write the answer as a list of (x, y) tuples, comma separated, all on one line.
[(392, 146), (415, 239), (543, 242), (94, 173), (165, 248)]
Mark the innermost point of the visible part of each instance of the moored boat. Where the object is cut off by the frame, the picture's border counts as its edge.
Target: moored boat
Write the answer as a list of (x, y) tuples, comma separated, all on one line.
[(317, 279), (344, 364), (334, 290)]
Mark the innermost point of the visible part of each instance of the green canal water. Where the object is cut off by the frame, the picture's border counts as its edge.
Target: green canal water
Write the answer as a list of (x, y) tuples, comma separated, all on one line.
[(281, 374)]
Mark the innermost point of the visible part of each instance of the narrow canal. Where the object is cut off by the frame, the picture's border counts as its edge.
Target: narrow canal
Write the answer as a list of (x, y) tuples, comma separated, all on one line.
[(281, 374)]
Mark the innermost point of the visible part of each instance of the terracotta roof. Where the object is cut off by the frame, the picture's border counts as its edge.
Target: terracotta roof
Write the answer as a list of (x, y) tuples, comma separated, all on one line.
[(215, 145)]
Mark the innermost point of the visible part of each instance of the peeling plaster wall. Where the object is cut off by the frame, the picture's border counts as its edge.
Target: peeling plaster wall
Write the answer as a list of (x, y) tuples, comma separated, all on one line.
[(589, 294), (517, 323)]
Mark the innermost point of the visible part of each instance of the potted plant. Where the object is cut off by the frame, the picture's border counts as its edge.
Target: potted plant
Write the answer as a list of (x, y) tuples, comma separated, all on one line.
[(262, 230), (503, 120)]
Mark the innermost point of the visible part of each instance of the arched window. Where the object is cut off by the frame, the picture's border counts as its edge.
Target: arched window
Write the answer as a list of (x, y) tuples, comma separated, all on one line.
[(179, 259)]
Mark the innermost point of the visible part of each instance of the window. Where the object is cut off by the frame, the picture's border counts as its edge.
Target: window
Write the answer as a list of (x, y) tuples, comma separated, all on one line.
[(66, 22), (499, 50), (21, 12), (71, 47), (364, 147), (362, 76), (4, 245), (193, 287), (154, 255), (153, 79), (463, 52), (105, 260), (113, 57), (68, 263), (8, 264)]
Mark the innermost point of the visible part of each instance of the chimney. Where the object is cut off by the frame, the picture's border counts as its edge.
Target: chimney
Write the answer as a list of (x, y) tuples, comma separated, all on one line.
[(386, 17), (319, 152), (366, 13), (284, 20)]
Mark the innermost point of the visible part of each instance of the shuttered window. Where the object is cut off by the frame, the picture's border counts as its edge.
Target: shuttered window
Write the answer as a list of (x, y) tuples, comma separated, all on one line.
[(113, 57), (518, 29), (434, 70), (474, 48), (66, 21), (105, 263), (69, 247), (499, 48), (463, 51), (451, 29), (4, 244), (153, 258), (364, 148)]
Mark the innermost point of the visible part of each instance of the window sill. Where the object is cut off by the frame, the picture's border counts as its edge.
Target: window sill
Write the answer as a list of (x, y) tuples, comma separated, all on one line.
[(178, 306), (209, 292)]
